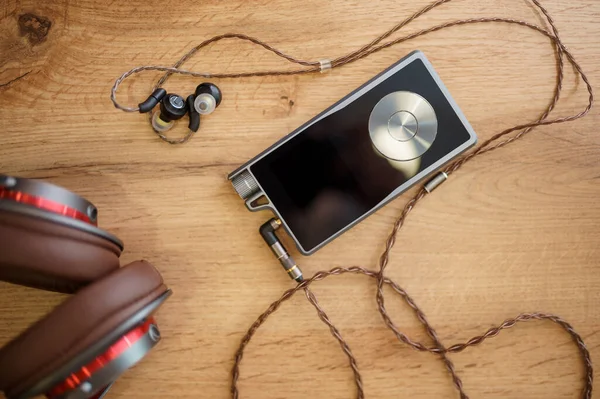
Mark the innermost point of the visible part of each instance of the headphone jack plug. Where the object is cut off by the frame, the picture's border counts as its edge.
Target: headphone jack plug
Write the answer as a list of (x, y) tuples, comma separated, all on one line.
[(267, 231)]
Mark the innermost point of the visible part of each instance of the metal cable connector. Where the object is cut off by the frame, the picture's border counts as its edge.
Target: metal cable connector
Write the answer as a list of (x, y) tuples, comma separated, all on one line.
[(267, 231), (435, 181), (325, 65)]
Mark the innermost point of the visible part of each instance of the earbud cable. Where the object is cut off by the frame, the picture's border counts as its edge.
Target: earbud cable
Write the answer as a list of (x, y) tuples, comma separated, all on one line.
[(494, 142)]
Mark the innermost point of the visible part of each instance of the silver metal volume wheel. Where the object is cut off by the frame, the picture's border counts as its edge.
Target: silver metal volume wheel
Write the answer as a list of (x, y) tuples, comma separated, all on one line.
[(402, 126)]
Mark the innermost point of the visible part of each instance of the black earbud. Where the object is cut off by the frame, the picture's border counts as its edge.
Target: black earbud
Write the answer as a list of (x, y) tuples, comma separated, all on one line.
[(204, 101), (172, 108), (208, 98)]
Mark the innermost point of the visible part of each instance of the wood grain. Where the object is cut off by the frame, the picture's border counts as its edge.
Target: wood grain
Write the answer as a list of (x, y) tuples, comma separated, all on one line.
[(516, 230)]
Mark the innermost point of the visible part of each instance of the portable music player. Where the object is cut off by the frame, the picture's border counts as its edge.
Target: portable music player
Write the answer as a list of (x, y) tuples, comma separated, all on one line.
[(347, 162)]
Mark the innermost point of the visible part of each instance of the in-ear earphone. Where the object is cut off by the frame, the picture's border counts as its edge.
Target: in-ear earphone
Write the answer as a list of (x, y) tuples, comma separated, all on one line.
[(173, 107), (208, 97)]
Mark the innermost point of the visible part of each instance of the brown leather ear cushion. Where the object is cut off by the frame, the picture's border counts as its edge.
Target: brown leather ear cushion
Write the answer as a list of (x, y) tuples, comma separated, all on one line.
[(77, 323), (43, 254)]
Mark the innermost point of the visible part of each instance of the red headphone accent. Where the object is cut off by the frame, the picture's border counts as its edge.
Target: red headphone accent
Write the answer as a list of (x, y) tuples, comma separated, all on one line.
[(117, 349), (45, 204)]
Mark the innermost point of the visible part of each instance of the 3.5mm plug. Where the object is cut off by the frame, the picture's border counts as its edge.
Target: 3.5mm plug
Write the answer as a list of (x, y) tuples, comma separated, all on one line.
[(267, 231)]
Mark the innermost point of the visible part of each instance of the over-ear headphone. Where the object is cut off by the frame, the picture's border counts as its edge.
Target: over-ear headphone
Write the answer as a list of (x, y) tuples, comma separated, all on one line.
[(204, 101), (50, 239)]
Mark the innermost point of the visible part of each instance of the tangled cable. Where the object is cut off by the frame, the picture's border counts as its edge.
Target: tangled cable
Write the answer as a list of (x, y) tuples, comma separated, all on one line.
[(439, 349)]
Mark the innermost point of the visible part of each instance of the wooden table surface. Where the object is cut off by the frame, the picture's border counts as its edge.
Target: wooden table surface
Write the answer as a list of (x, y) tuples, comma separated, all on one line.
[(513, 231)]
